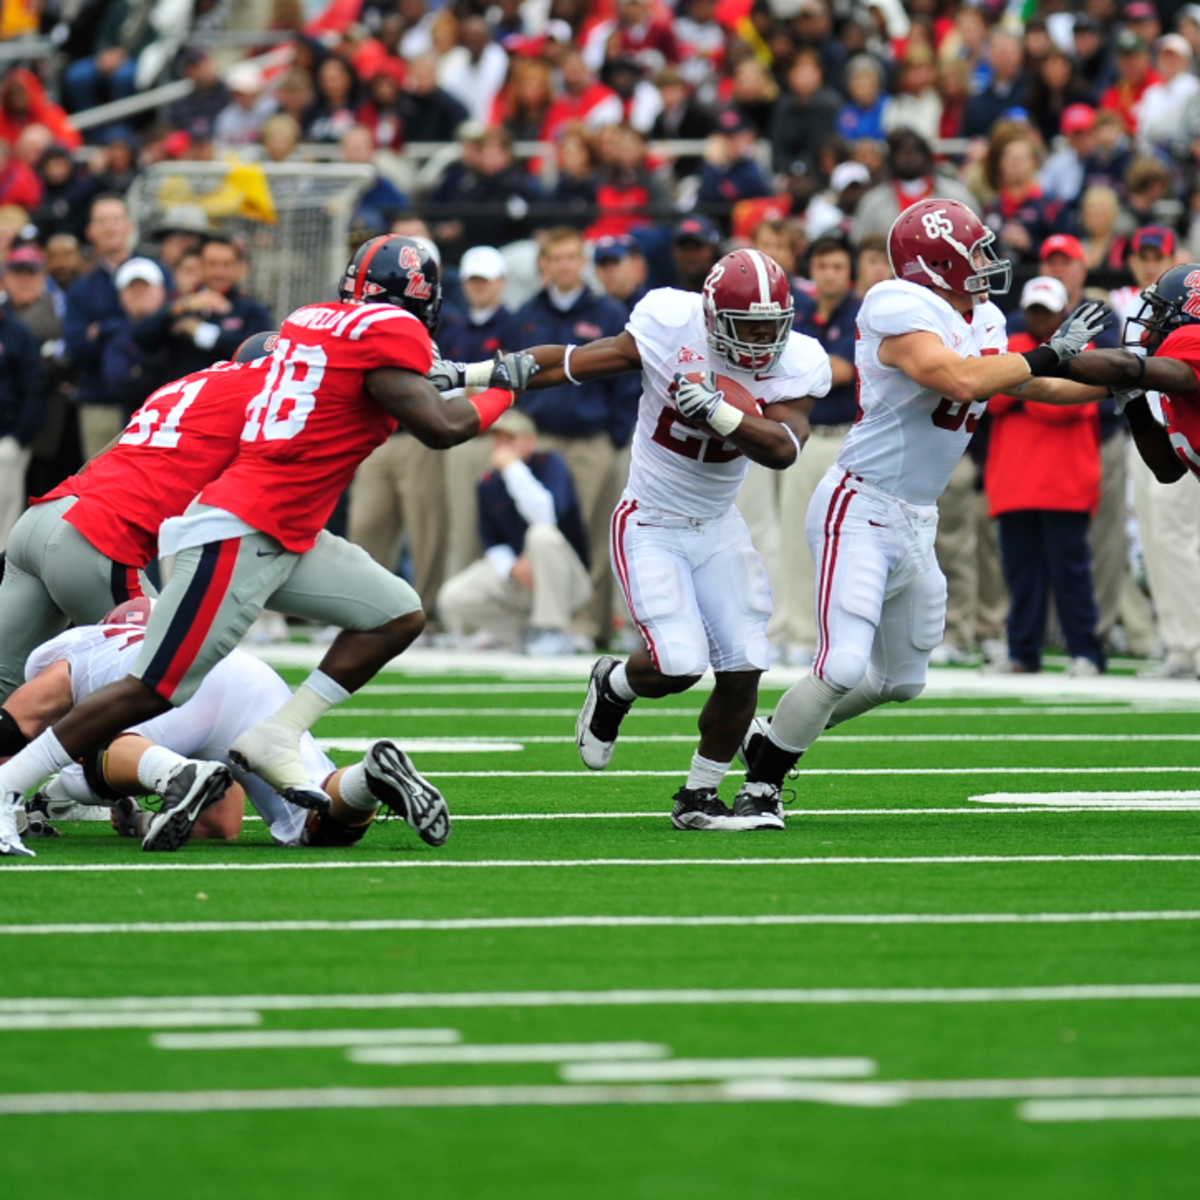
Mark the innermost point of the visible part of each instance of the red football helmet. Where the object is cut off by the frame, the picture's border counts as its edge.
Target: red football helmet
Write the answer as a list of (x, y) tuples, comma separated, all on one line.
[(943, 244), (747, 286), (132, 612)]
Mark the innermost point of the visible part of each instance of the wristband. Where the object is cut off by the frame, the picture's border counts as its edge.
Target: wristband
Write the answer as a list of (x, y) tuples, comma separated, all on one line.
[(1139, 416), (725, 418), (490, 405), (1041, 361), (792, 434), (567, 365), (1141, 371), (478, 375)]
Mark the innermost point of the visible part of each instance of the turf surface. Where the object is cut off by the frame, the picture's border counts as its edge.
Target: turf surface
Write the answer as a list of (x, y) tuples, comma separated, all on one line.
[(694, 1136)]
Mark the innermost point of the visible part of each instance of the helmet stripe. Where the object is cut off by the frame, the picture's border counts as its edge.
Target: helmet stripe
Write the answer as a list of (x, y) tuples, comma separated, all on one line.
[(360, 280), (764, 283)]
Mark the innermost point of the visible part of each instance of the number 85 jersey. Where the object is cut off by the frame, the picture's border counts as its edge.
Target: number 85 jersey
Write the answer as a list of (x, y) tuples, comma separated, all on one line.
[(908, 439), (313, 421)]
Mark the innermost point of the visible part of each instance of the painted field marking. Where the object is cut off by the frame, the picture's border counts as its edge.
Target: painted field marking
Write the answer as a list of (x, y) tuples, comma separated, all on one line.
[(360, 745), (298, 1039), (614, 998), (464, 924), (562, 863), (809, 773), (876, 1094), (652, 710), (24, 1022), (474, 744), (1164, 1108), (1128, 801), (1035, 807), (678, 1070), (535, 1052)]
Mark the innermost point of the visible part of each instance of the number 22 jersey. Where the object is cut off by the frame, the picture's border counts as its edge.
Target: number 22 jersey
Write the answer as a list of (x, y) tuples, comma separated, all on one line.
[(908, 439)]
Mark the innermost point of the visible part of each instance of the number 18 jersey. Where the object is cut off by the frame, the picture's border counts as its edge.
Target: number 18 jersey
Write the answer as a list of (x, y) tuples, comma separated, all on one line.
[(313, 421), (908, 439)]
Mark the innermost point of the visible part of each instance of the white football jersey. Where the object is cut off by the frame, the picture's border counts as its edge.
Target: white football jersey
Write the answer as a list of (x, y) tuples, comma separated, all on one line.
[(908, 439), (676, 467)]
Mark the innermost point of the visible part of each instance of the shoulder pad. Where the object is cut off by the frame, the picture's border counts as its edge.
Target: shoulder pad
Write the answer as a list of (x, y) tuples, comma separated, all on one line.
[(896, 307)]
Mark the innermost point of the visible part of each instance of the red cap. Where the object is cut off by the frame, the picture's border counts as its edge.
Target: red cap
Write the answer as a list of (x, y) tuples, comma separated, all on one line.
[(25, 256), (1149, 237), (1062, 243), (1077, 118), (176, 144)]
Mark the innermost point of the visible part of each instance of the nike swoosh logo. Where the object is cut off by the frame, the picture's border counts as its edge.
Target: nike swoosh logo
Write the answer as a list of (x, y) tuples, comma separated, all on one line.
[(267, 553), (763, 378), (877, 524)]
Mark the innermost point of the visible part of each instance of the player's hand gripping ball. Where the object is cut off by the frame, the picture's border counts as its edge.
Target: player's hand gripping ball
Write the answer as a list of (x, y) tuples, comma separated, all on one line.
[(698, 394)]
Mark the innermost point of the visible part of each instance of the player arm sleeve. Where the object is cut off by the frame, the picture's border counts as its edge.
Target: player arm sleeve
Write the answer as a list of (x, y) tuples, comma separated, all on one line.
[(533, 501)]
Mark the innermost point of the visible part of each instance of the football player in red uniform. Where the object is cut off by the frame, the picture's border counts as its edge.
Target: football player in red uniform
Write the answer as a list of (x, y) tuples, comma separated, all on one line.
[(82, 548), (341, 377), (1167, 328)]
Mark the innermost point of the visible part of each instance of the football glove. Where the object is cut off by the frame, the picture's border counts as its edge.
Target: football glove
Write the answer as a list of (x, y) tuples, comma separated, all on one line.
[(1124, 398), (698, 400), (512, 371), (446, 375), (1086, 323)]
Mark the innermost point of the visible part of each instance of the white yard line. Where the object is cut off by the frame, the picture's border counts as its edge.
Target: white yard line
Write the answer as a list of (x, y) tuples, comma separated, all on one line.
[(516, 741), (651, 709), (1131, 804), (807, 773), (680, 1070), (617, 998), (545, 1052), (150, 1019), (560, 863), (1081, 801), (302, 1039), (463, 924), (1164, 1108)]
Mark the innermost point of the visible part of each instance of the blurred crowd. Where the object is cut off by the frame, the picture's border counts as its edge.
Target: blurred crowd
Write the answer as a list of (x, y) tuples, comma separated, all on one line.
[(564, 156)]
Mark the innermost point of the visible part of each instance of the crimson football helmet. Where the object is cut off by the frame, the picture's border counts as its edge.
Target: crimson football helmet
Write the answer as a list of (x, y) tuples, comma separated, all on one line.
[(396, 270), (1169, 304), (943, 244), (743, 288)]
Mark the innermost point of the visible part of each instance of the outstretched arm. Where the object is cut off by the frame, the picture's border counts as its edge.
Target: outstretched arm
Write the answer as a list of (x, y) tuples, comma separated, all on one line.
[(1122, 370), (432, 419), (927, 360), (595, 360)]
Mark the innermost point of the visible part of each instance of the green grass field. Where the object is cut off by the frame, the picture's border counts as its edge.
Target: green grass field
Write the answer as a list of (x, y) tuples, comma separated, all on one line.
[(909, 993)]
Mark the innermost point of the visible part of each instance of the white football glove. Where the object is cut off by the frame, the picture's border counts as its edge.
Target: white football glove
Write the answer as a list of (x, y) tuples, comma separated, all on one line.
[(1086, 323), (698, 400), (1124, 398)]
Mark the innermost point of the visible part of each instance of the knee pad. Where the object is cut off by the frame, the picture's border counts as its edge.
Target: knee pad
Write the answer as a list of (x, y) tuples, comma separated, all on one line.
[(12, 740), (93, 772), (844, 669)]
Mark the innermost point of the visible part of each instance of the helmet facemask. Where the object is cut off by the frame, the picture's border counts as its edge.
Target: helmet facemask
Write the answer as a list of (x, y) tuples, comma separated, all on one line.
[(992, 273), (1156, 316), (744, 355)]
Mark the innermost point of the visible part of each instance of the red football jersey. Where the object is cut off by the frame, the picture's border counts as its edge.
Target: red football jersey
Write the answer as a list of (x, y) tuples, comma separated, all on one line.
[(313, 421), (1183, 412), (183, 437)]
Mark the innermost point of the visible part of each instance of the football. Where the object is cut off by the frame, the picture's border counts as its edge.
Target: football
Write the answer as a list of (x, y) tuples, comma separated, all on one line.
[(735, 394)]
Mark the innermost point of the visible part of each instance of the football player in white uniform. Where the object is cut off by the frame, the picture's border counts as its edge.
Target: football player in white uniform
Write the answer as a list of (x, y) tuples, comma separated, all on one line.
[(931, 351), (725, 381), (234, 695)]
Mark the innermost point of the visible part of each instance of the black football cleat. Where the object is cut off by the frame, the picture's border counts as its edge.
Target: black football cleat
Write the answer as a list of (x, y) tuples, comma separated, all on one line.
[(702, 808), (600, 718), (189, 791), (394, 781), (758, 806)]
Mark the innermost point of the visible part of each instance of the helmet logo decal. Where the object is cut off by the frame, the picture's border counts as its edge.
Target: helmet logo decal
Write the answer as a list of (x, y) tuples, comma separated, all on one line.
[(938, 225), (1191, 305), (714, 277)]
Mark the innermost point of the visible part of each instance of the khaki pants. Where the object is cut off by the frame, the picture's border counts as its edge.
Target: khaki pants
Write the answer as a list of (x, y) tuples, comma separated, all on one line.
[(969, 555), (1106, 535), (478, 598), (402, 486), (1168, 518), (466, 465), (14, 458), (594, 466), (98, 425), (758, 502), (797, 597)]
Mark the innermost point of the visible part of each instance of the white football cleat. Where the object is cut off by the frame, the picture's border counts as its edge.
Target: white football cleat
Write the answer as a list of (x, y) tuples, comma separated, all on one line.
[(11, 845), (272, 752)]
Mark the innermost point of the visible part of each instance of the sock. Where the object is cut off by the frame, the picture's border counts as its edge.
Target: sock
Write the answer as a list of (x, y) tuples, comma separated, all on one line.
[(797, 722), (310, 702), (618, 683), (354, 790), (155, 767), (43, 756), (705, 773)]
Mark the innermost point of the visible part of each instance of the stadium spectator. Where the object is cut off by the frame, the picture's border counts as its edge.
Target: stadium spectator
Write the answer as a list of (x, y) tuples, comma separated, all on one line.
[(874, 266), (296, 98), (24, 104), (700, 40), (812, 26), (188, 274), (209, 93), (1006, 88), (1062, 174), (64, 265), (805, 116), (1043, 483), (621, 270), (116, 167), (336, 101), (241, 121), (132, 371), (281, 136), (916, 104), (684, 117), (695, 248), (525, 101), (1141, 17), (22, 411), (833, 211), (93, 316), (572, 200), (586, 424), (1134, 76), (953, 83), (640, 99), (581, 100), (380, 111), (730, 171), (533, 577), (210, 324), (1020, 215), (1099, 212), (1162, 111), (629, 193), (474, 72), (636, 33), (108, 70), (1091, 51), (19, 184), (358, 147), (1057, 88), (1147, 185), (755, 94), (183, 228), (777, 238), (66, 194), (913, 178), (429, 112), (1113, 154), (862, 115)]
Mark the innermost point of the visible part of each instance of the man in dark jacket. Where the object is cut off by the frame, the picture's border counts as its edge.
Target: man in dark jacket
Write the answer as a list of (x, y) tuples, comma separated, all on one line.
[(429, 113), (533, 575), (22, 409), (806, 116), (1006, 90), (210, 324), (589, 423)]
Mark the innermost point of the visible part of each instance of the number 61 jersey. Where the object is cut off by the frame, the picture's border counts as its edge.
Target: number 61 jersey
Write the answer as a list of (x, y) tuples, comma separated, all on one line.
[(908, 439), (679, 467), (313, 421)]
